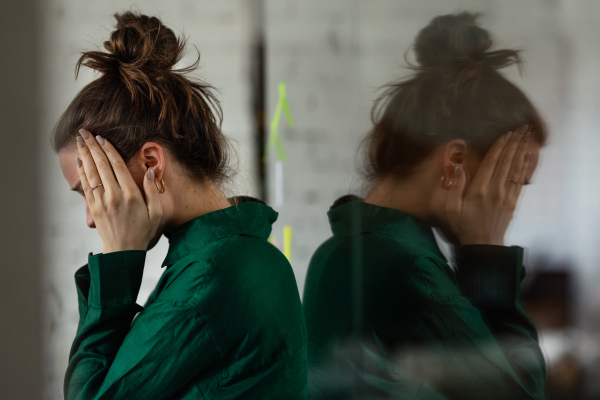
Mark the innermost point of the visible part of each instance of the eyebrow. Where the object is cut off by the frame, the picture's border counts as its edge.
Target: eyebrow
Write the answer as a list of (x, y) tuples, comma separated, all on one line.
[(77, 187)]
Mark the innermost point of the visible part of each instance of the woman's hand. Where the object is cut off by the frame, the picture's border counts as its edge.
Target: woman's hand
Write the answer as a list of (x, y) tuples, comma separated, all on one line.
[(123, 218), (481, 213)]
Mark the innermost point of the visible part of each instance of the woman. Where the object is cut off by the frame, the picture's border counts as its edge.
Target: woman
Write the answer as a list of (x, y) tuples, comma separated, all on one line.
[(439, 156), (143, 146)]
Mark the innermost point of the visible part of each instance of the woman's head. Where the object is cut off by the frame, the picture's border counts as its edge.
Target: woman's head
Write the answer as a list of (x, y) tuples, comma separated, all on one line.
[(140, 97), (456, 92), (148, 110)]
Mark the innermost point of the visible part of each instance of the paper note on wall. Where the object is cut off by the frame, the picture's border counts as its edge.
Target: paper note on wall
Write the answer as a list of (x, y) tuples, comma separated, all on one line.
[(275, 141), (287, 242)]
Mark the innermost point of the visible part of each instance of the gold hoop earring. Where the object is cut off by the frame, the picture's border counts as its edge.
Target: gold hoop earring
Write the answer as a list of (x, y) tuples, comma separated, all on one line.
[(162, 182), (449, 185)]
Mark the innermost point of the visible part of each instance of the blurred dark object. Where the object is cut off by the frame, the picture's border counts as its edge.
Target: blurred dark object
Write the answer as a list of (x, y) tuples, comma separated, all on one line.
[(566, 379), (548, 299)]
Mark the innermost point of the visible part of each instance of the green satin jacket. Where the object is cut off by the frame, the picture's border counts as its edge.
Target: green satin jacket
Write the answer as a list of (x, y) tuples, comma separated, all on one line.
[(388, 317), (224, 322)]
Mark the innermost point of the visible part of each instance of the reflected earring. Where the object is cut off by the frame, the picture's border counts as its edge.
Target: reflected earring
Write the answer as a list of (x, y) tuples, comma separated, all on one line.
[(448, 186), (162, 182)]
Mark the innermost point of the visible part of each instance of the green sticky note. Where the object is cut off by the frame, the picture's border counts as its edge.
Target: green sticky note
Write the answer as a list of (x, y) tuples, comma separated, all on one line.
[(284, 104), (274, 139)]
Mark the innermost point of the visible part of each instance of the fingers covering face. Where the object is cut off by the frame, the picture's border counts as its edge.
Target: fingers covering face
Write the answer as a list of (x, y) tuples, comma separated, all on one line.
[(519, 169), (123, 177), (96, 164), (501, 173), (103, 164), (488, 165), (509, 157)]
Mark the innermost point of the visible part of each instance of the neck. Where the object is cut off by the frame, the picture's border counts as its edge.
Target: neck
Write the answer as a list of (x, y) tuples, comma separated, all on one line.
[(411, 195), (190, 201)]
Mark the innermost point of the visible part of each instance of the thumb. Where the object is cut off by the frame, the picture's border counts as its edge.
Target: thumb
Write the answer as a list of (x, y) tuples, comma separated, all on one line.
[(152, 199), (456, 193)]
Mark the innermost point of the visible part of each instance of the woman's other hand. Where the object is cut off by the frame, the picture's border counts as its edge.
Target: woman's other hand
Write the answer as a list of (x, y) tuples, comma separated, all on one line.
[(481, 212), (123, 218)]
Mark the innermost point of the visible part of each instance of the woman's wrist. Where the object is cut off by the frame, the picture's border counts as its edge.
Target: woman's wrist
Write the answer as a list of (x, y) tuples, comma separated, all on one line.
[(113, 249)]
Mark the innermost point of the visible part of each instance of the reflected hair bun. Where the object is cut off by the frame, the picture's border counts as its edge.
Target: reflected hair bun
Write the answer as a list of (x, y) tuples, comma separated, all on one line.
[(456, 92), (456, 42)]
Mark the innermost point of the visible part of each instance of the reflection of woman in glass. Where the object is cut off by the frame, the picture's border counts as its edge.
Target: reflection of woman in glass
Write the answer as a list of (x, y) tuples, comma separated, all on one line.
[(225, 320), (451, 148)]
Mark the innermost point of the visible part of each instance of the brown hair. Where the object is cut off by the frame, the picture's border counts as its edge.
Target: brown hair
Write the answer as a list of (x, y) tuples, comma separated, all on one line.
[(140, 97), (456, 92)]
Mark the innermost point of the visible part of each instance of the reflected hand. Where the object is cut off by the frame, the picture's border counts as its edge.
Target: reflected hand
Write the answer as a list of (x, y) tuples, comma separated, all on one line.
[(124, 220), (481, 213)]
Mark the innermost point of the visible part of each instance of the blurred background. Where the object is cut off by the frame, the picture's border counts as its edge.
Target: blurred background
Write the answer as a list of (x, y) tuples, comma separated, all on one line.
[(333, 55)]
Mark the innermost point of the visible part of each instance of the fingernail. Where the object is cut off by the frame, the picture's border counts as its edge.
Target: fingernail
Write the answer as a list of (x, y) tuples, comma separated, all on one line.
[(150, 174), (84, 134), (507, 136), (458, 170), (79, 141), (78, 162), (100, 140), (528, 157)]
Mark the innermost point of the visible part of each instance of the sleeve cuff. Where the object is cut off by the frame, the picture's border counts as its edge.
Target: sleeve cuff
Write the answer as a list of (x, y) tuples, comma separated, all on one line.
[(115, 278), (490, 276)]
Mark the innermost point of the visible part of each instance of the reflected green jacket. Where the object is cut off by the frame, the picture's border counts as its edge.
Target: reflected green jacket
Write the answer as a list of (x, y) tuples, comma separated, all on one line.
[(381, 288), (224, 322)]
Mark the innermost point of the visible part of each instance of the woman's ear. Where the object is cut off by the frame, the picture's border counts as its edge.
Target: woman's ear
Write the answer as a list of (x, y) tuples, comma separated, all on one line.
[(151, 155), (154, 158), (455, 152)]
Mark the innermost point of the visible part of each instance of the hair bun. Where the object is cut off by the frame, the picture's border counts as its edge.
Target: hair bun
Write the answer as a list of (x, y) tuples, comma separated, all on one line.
[(140, 40), (456, 41), (140, 47), (140, 56)]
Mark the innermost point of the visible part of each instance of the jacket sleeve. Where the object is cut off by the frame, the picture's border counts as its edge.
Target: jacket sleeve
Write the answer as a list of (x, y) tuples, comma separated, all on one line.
[(490, 278), (113, 358)]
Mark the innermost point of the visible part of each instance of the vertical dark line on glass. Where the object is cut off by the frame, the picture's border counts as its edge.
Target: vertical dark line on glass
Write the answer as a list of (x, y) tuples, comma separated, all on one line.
[(258, 81)]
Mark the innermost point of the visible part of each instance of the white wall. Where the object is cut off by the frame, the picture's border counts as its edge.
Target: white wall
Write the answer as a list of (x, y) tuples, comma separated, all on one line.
[(221, 32)]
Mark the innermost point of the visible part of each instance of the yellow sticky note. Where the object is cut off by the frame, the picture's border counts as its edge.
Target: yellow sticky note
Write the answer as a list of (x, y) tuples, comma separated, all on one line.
[(287, 242)]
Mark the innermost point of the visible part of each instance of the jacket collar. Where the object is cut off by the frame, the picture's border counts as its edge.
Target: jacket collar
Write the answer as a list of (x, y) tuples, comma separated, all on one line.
[(350, 215), (252, 218)]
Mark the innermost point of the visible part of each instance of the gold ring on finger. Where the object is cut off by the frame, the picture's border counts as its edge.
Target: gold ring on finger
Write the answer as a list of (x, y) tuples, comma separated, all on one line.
[(92, 189)]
